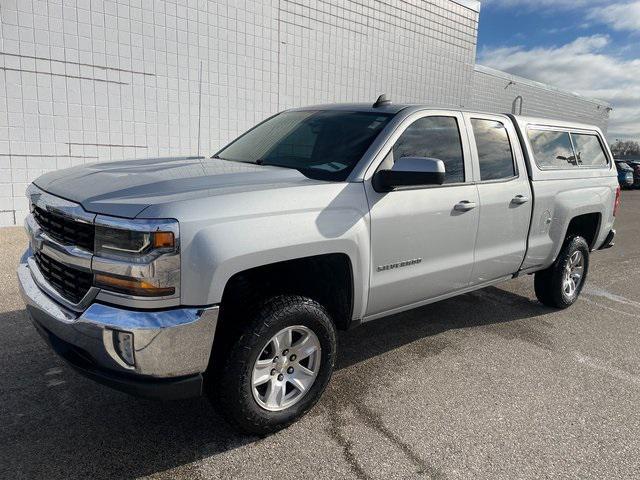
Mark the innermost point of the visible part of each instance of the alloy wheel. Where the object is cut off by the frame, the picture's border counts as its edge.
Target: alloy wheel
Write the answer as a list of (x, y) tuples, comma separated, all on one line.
[(574, 272), (286, 368)]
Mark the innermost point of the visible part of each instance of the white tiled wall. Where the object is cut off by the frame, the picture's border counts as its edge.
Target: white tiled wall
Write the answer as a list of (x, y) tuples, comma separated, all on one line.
[(496, 91), (92, 80), (343, 50)]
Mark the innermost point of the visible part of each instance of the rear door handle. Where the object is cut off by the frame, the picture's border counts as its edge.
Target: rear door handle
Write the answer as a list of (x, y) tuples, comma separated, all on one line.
[(520, 199), (464, 206)]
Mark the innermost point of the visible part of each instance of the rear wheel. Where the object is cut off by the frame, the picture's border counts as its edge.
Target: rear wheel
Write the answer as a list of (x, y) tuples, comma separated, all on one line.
[(278, 368), (560, 285)]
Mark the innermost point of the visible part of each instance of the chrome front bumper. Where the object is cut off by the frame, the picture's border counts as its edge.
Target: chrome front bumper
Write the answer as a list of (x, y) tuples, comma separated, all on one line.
[(172, 344)]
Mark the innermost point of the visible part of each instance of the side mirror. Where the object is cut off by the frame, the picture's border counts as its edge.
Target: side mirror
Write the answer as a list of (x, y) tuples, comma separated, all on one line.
[(410, 172)]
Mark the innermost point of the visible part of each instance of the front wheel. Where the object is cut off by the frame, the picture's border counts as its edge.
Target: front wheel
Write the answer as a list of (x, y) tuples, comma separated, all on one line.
[(559, 285), (279, 367)]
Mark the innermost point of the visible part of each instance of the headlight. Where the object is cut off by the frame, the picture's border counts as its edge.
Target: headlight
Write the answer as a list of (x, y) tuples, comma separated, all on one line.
[(111, 242), (137, 257)]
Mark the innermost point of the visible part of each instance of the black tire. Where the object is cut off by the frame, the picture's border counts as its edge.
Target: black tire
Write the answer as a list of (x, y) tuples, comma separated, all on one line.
[(231, 390), (549, 283)]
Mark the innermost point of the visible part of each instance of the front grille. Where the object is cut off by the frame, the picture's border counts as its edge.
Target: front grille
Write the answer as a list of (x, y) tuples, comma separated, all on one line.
[(71, 283), (65, 230)]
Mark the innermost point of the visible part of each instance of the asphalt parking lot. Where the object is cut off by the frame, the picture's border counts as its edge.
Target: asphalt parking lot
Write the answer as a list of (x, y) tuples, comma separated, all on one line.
[(486, 385)]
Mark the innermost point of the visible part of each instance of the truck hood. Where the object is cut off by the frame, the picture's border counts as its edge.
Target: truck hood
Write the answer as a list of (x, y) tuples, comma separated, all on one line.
[(126, 188)]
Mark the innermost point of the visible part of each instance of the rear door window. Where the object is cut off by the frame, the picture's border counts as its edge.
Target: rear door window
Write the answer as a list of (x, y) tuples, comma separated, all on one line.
[(552, 149), (494, 149), (434, 137), (589, 151)]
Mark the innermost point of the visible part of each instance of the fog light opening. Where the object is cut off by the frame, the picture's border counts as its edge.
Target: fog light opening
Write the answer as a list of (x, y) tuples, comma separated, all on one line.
[(123, 343)]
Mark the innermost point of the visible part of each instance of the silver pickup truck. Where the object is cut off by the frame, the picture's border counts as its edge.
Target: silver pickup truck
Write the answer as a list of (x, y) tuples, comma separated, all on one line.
[(229, 276)]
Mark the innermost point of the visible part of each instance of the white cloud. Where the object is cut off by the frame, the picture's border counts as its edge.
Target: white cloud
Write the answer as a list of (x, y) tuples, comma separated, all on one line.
[(620, 16), (582, 67), (623, 16)]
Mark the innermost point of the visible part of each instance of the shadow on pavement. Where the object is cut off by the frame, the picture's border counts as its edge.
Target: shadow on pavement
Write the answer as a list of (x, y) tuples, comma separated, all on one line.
[(56, 424)]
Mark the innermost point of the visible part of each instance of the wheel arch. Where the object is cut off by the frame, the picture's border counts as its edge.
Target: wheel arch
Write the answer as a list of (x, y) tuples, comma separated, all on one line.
[(587, 226), (326, 278), (579, 212)]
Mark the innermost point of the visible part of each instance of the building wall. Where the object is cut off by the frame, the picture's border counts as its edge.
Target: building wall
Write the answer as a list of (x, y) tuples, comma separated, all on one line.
[(92, 80), (496, 91)]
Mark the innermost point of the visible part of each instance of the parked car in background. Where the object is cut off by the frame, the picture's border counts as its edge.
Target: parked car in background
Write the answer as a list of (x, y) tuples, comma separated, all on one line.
[(229, 276), (625, 174), (635, 164)]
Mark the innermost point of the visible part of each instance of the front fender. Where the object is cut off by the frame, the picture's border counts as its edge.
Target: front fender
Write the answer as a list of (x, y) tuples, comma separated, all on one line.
[(216, 250)]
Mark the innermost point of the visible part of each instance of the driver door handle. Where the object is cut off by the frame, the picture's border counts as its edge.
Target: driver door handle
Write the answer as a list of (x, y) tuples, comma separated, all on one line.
[(464, 206), (520, 199)]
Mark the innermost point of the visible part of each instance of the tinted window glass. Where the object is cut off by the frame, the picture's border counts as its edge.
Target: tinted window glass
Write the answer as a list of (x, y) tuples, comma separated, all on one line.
[(434, 137), (589, 150), (623, 166), (494, 149), (321, 144), (552, 149)]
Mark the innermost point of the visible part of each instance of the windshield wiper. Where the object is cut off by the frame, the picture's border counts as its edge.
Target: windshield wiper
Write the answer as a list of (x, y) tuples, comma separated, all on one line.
[(263, 162), (218, 157)]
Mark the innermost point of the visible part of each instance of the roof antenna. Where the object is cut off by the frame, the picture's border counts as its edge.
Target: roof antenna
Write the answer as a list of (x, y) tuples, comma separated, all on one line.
[(382, 101)]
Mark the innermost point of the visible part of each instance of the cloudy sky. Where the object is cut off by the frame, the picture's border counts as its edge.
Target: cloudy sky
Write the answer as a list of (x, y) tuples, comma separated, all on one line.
[(591, 47)]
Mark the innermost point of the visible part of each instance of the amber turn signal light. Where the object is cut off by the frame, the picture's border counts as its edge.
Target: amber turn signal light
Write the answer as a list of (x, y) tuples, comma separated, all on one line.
[(163, 240), (131, 286)]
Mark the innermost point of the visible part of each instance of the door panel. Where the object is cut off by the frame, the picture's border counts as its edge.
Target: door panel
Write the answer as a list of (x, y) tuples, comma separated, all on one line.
[(502, 230), (505, 197), (422, 239), (424, 225)]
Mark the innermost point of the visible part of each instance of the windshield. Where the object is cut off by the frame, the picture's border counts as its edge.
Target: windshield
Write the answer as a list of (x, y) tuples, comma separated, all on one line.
[(321, 144)]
